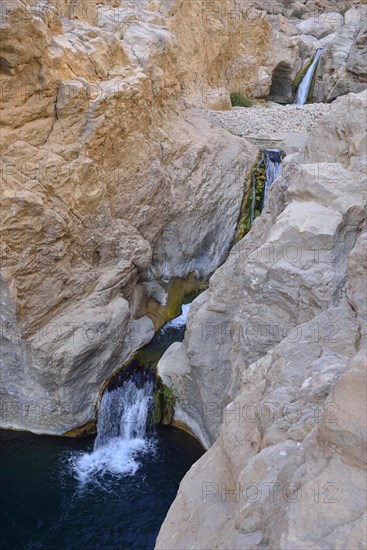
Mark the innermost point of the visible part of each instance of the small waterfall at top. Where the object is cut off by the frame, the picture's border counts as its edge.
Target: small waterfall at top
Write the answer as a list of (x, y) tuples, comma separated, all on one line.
[(178, 322), (304, 87), (121, 431), (271, 159)]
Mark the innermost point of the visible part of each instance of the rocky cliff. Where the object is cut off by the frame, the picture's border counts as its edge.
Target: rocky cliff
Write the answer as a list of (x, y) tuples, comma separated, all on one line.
[(271, 375), (112, 185), (107, 184)]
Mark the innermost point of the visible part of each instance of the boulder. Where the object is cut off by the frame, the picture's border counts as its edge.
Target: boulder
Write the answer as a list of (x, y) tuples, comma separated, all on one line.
[(333, 19), (307, 45), (315, 27)]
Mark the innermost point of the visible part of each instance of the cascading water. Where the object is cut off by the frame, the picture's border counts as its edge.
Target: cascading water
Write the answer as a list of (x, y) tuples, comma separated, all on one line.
[(121, 432), (304, 87), (126, 408), (180, 321), (273, 167), (272, 160)]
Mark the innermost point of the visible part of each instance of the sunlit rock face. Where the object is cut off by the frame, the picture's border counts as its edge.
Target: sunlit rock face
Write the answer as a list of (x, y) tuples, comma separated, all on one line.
[(107, 183), (279, 335), (111, 185)]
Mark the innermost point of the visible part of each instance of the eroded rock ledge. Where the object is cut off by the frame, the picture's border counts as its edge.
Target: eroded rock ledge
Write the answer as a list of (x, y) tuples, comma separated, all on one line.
[(271, 374)]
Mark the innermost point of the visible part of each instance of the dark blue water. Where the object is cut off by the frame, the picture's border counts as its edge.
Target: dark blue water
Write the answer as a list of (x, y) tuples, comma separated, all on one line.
[(44, 507)]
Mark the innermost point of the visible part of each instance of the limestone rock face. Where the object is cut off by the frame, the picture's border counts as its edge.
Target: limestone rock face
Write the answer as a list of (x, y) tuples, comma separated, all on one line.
[(107, 183), (343, 141), (194, 238), (318, 28), (271, 374), (285, 53), (342, 67)]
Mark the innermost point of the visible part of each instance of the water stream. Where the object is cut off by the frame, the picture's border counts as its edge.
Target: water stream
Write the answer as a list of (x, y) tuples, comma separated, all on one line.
[(273, 166), (304, 87), (271, 159), (121, 433), (179, 322)]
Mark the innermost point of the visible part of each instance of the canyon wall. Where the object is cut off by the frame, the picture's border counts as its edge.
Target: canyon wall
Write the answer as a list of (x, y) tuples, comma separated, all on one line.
[(271, 374), (107, 184)]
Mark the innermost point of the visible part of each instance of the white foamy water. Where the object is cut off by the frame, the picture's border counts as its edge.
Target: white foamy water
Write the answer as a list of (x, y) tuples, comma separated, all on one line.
[(179, 321), (121, 433)]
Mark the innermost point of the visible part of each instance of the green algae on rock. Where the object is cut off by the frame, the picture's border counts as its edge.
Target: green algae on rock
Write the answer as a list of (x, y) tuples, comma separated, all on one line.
[(164, 403)]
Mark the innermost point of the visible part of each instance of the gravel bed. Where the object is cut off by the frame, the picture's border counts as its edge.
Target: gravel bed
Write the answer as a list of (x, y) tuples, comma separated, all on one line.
[(272, 118)]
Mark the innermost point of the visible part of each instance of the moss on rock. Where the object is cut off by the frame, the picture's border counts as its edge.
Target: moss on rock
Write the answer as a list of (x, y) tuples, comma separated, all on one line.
[(164, 403), (179, 291), (300, 75), (312, 88), (157, 397), (257, 174)]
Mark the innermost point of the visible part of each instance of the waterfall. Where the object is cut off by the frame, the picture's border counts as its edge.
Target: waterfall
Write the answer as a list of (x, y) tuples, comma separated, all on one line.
[(121, 432), (272, 160), (304, 87), (273, 167), (123, 413), (180, 321)]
